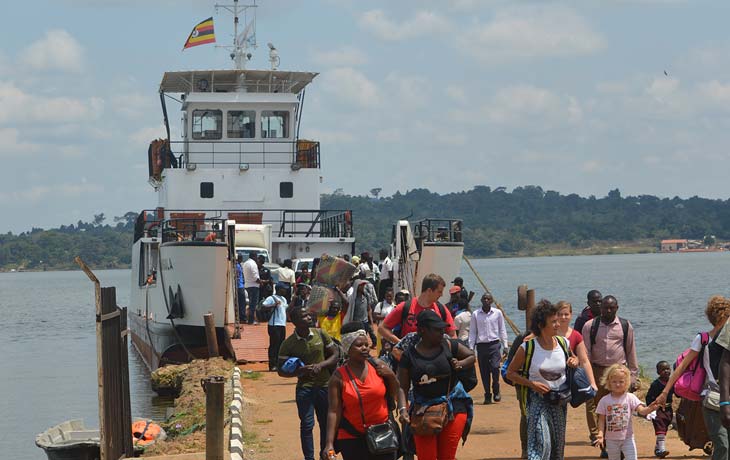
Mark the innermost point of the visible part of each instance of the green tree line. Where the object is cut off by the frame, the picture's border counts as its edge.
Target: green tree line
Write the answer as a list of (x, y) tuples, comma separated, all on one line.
[(497, 222)]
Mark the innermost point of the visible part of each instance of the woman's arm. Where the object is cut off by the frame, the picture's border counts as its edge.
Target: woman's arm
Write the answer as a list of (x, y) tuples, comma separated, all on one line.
[(691, 355), (582, 354), (404, 379), (334, 412), (388, 376), (513, 373), (465, 357)]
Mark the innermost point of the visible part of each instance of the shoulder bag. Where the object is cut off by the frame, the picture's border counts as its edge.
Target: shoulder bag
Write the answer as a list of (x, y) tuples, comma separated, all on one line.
[(381, 438), (430, 420)]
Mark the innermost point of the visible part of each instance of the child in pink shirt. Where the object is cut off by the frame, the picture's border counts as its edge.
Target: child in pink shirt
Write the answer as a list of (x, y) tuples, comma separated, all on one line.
[(614, 414)]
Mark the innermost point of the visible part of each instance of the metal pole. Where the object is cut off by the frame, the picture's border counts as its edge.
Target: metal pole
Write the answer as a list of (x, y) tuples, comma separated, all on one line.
[(213, 387), (210, 335)]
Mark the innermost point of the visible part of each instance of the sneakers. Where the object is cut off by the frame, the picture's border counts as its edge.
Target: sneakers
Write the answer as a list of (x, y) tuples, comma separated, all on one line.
[(604, 454), (487, 399), (661, 453), (497, 397)]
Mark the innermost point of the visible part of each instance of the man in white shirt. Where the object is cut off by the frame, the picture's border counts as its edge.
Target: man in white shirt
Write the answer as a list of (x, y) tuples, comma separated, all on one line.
[(488, 336), (251, 282), (386, 274), (286, 275), (277, 323)]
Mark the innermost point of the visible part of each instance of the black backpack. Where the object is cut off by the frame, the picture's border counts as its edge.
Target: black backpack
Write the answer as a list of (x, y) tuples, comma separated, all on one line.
[(467, 376)]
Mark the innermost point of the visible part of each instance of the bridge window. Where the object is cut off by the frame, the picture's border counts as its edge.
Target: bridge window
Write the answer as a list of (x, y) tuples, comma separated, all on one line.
[(207, 124), (286, 189), (241, 124), (274, 124)]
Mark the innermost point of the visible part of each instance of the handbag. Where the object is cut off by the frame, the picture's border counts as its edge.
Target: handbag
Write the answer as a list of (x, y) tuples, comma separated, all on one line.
[(580, 388), (429, 420), (711, 400), (559, 397), (381, 438)]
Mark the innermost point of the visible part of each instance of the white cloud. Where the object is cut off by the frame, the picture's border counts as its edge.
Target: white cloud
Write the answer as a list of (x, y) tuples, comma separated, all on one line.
[(21, 107), (385, 28), (58, 50), (515, 104), (388, 135), (456, 93), (39, 192), (326, 137), (410, 92), (352, 87), (10, 143), (531, 31), (133, 105), (715, 92), (144, 136), (344, 56)]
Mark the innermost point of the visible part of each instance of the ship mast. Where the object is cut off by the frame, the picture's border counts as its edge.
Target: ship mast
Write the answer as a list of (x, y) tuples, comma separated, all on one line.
[(247, 39)]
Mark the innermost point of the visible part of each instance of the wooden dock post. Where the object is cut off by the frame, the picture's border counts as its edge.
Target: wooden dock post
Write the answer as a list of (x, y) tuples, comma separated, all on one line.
[(213, 387), (530, 307), (115, 413), (210, 335)]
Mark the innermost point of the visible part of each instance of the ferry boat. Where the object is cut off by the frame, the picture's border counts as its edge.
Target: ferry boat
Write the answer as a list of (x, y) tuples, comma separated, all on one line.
[(240, 161)]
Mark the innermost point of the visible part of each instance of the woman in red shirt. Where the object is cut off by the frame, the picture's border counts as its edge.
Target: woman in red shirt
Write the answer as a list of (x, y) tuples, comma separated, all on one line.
[(575, 338), (346, 421)]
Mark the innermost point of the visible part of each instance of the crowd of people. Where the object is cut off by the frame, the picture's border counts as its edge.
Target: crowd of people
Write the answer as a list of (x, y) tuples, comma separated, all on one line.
[(426, 351)]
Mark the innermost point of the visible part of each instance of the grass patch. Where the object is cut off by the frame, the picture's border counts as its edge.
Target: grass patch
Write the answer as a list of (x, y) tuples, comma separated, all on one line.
[(253, 375), (263, 422)]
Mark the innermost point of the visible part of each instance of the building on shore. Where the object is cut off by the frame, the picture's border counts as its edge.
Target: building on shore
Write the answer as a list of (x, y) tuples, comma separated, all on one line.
[(673, 245)]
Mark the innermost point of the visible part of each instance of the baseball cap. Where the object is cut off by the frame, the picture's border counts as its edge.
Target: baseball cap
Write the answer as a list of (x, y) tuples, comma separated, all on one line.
[(429, 318), (458, 279)]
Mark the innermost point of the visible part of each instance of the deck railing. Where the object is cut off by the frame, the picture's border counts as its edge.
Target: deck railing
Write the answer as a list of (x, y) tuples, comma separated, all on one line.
[(198, 224), (247, 153)]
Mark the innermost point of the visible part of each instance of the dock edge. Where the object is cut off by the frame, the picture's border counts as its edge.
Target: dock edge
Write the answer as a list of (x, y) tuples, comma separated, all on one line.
[(236, 409)]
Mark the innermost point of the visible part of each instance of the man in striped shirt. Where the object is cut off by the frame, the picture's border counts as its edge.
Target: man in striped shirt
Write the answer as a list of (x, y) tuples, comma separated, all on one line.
[(488, 337)]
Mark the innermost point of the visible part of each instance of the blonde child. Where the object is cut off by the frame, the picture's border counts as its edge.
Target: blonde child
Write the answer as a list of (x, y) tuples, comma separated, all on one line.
[(614, 414)]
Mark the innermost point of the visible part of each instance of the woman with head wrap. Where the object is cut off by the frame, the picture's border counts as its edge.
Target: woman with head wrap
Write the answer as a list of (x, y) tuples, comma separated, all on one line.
[(347, 418)]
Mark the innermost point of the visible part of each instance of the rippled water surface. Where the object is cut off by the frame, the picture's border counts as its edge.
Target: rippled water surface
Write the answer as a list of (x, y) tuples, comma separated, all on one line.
[(48, 357), (47, 340)]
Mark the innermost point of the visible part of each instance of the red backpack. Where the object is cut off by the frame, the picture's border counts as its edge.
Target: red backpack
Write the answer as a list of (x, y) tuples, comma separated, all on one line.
[(689, 385)]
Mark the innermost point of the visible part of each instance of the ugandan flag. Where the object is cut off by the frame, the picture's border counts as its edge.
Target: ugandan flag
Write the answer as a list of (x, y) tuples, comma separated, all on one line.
[(202, 33)]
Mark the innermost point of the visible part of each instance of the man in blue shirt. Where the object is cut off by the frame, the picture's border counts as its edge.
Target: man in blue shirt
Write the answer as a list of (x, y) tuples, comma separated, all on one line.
[(277, 322), (240, 291)]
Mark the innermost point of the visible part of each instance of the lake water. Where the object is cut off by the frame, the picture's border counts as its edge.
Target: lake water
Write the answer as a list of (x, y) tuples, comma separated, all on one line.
[(47, 338)]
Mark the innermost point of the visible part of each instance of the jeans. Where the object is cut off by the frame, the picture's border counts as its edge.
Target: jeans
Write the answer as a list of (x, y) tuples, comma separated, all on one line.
[(717, 433), (311, 401), (253, 300), (241, 292)]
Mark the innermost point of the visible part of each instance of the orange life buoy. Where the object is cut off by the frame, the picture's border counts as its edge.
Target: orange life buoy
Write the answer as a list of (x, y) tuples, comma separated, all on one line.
[(146, 432)]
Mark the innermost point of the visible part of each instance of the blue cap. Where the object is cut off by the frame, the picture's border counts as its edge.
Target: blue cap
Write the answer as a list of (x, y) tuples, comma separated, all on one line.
[(282, 285), (291, 365)]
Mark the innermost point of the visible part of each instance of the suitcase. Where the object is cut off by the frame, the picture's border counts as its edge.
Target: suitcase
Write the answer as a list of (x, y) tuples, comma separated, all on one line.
[(691, 426)]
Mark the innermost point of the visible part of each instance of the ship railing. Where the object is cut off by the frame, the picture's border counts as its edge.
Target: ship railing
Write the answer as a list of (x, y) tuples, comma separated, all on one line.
[(437, 231), (246, 153), (197, 224)]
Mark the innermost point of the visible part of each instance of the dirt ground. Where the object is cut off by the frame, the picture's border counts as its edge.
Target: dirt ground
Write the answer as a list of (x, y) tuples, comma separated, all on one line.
[(273, 426)]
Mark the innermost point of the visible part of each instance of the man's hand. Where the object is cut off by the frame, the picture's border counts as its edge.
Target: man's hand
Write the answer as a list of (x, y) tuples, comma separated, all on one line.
[(456, 364), (316, 368)]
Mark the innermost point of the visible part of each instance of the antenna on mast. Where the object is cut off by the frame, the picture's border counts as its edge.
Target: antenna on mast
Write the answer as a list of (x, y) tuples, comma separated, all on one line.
[(244, 41)]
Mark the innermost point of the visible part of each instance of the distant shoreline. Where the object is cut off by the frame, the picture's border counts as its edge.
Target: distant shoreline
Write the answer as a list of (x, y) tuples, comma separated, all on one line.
[(548, 251)]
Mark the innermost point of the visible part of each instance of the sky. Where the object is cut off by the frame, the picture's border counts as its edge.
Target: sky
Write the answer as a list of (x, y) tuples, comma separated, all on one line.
[(577, 97)]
